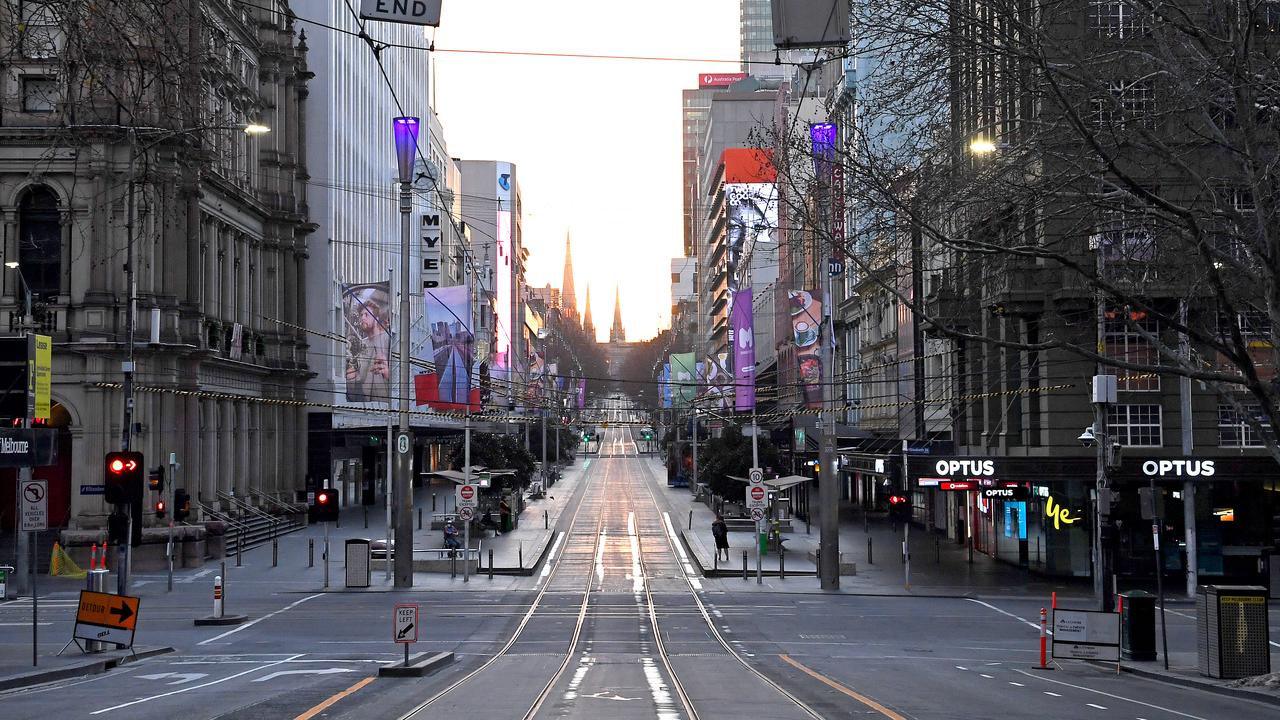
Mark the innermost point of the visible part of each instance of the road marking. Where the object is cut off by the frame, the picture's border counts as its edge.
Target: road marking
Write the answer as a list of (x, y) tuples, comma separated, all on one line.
[(600, 557), (321, 671), (1051, 694), (251, 623), (989, 677), (195, 687), (637, 573), (21, 624), (1034, 625), (333, 699), (1106, 694), (961, 667), (196, 576), (182, 678), (842, 689), (1093, 705), (1016, 684), (690, 575)]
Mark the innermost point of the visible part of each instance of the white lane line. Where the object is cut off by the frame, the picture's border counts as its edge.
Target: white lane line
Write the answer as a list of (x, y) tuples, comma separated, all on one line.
[(1106, 694), (21, 624), (961, 667), (1016, 684), (989, 677), (1052, 694), (1006, 613), (600, 557), (637, 573), (251, 623), (1094, 705), (546, 565), (196, 687)]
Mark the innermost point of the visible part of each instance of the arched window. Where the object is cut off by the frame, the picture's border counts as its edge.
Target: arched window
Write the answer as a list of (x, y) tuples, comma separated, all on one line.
[(40, 242)]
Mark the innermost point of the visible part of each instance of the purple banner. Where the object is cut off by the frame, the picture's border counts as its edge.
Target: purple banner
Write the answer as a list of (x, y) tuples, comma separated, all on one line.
[(744, 351), (582, 393)]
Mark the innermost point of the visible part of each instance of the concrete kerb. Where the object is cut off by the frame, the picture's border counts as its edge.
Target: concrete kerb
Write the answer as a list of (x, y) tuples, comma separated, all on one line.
[(224, 620), (89, 667), (419, 668), (1196, 683)]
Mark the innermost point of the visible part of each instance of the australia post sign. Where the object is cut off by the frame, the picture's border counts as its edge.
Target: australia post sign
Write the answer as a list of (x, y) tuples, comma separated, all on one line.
[(719, 80)]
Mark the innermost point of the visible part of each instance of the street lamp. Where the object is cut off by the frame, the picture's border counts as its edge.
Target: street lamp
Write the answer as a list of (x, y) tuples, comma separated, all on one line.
[(981, 146), (823, 138), (26, 289), (405, 134)]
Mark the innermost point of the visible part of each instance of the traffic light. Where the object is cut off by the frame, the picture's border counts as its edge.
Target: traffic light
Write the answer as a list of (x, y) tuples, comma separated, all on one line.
[(123, 477), (155, 479), (181, 504), (899, 508), (324, 508), (160, 509)]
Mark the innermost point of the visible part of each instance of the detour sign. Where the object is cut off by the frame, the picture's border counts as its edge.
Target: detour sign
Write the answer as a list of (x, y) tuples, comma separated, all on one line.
[(106, 618)]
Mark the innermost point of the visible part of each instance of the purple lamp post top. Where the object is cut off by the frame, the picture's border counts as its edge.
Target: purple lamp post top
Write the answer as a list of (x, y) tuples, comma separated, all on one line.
[(822, 136), (406, 136)]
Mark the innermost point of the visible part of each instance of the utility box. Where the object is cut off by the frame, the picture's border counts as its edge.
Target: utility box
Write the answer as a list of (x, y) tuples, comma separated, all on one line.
[(359, 551), (1231, 631), (6, 579), (1138, 625)]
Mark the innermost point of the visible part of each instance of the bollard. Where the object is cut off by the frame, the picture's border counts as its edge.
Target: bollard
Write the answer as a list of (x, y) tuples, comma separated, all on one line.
[(95, 581), (275, 551), (782, 562), (240, 546), (937, 551), (690, 519), (521, 556), (545, 521), (366, 516), (453, 564), (715, 564), (869, 560), (217, 596), (433, 502), (490, 563), (1044, 625), (311, 552), (744, 564), (419, 518)]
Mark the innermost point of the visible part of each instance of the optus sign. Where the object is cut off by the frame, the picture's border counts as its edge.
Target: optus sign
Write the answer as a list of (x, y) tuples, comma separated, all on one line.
[(1178, 468), (965, 468)]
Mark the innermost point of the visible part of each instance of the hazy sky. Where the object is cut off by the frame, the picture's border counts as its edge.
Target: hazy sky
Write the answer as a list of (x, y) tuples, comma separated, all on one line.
[(597, 142)]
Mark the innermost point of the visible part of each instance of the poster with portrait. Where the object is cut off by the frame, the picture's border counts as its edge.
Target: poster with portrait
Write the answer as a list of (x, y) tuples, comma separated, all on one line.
[(448, 385), (805, 307), (368, 318)]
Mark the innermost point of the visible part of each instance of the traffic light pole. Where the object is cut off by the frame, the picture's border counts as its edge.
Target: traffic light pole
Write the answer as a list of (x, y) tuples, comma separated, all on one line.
[(172, 510)]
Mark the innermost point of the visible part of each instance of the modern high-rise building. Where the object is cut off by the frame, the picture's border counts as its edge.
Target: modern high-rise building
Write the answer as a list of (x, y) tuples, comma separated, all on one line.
[(755, 31)]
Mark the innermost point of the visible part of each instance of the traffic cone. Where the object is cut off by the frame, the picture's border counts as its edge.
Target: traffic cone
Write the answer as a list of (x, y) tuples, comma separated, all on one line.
[(93, 558)]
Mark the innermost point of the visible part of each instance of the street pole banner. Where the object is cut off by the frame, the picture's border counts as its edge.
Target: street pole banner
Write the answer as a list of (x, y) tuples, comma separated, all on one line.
[(448, 385), (744, 351), (683, 374), (806, 321)]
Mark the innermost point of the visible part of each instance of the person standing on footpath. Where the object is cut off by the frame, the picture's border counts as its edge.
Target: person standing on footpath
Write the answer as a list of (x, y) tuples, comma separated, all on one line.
[(720, 531)]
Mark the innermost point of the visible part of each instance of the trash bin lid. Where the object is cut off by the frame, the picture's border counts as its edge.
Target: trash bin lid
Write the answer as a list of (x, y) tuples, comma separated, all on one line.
[(1136, 594), (358, 541)]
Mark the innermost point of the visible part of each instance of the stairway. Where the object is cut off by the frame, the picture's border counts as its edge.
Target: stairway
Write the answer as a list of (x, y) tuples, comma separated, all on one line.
[(257, 530)]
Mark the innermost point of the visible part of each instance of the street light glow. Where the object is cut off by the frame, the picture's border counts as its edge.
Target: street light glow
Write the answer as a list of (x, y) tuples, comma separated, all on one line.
[(256, 129), (982, 146), (11, 264), (406, 137)]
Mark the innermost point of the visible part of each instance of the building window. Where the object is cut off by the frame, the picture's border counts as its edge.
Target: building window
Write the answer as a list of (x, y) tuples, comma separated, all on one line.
[(1118, 18), (1253, 325), (41, 34), (39, 94), (40, 242), (1235, 429), (1135, 425), (1124, 103), (1128, 339)]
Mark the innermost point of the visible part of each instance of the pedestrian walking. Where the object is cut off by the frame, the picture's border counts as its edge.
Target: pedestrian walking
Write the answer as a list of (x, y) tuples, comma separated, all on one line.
[(720, 531)]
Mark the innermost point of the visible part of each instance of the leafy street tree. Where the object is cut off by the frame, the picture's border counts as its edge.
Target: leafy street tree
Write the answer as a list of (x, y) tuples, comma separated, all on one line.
[(730, 454)]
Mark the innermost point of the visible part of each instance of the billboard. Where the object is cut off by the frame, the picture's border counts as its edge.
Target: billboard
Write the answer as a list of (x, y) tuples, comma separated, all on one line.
[(448, 386), (367, 315), (751, 205), (810, 23), (504, 365), (806, 329), (741, 324)]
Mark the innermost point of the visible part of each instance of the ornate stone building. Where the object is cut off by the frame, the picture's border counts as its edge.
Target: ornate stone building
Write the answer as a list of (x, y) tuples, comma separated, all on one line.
[(128, 162)]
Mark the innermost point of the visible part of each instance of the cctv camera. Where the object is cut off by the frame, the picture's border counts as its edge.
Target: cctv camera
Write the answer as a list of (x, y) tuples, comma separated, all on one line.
[(1087, 438)]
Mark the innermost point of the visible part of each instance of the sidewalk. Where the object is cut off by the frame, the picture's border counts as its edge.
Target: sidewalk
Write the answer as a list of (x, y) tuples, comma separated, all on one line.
[(939, 567)]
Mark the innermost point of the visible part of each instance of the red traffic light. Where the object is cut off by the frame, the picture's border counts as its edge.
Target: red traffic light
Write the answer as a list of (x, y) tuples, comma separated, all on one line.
[(117, 466), (322, 498), (896, 499)]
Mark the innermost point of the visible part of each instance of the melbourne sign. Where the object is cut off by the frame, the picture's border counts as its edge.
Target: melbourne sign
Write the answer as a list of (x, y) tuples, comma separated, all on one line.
[(35, 447)]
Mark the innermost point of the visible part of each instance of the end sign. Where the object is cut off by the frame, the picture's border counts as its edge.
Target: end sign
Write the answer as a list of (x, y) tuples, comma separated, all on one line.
[(412, 12)]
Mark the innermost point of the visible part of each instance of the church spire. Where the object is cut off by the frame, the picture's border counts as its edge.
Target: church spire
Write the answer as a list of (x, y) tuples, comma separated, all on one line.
[(568, 298), (617, 333), (588, 326)]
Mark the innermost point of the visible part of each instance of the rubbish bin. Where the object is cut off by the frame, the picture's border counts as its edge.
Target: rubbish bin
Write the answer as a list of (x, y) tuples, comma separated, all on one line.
[(6, 575), (1231, 631), (358, 552), (1138, 625)]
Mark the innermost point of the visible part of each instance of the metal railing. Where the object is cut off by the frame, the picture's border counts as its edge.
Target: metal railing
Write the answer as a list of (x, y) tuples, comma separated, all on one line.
[(245, 507), (272, 500)]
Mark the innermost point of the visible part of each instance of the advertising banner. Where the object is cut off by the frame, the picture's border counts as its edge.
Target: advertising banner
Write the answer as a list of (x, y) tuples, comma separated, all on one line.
[(582, 393), (806, 325), (42, 374), (448, 386), (741, 324), (366, 311), (684, 377), (666, 384), (719, 381), (751, 206)]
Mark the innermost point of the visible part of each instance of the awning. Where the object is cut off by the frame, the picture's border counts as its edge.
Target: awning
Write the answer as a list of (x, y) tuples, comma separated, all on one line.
[(781, 483), (459, 477)]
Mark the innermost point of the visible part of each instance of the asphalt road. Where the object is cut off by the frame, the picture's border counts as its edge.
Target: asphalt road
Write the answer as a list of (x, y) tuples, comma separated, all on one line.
[(616, 625)]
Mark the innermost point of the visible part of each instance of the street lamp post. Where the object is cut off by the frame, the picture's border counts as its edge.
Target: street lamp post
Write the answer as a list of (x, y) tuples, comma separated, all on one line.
[(823, 140), (406, 141)]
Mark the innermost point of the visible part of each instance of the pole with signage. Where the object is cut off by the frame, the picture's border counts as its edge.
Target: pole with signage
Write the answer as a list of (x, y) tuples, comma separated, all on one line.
[(405, 627), (34, 503), (466, 478)]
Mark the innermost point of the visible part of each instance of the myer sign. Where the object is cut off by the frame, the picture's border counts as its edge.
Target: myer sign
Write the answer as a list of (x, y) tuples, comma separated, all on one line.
[(1178, 468), (414, 12), (431, 274)]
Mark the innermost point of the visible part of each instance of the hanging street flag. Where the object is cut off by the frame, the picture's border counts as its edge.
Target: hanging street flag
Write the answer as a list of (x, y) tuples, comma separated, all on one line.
[(582, 393), (684, 375), (448, 386), (806, 325), (666, 384), (741, 323)]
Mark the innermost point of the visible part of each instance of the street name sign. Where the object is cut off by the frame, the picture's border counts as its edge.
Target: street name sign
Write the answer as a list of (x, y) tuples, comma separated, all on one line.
[(106, 618), (1086, 635), (412, 12), (405, 623), (757, 497), (468, 496), (34, 499)]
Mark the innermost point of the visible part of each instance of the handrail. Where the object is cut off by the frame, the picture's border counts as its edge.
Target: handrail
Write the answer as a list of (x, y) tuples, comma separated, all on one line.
[(244, 506), (256, 492), (221, 517)]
